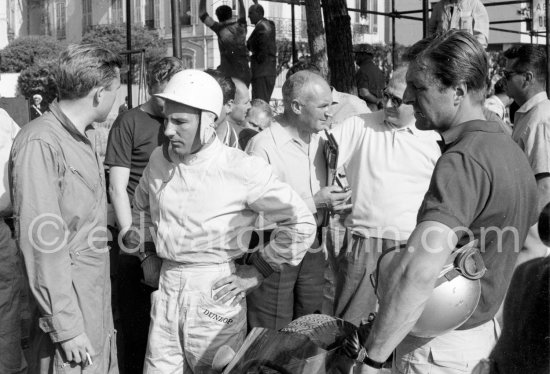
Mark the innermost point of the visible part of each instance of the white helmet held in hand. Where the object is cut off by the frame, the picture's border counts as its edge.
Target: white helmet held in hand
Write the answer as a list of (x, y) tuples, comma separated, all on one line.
[(199, 90), (456, 293)]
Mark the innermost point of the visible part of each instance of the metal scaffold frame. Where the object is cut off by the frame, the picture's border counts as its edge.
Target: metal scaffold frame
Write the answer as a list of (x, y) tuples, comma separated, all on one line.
[(425, 18)]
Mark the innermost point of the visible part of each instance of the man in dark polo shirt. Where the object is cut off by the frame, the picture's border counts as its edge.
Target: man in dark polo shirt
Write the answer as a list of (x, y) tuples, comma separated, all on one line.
[(132, 139), (482, 188), (370, 79)]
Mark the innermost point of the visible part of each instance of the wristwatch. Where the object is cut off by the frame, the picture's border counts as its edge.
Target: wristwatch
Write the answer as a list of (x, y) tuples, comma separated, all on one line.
[(363, 357)]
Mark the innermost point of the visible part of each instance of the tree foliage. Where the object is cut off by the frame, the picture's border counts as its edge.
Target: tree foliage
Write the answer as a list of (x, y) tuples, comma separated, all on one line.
[(284, 53), (26, 51), (114, 38), (38, 79)]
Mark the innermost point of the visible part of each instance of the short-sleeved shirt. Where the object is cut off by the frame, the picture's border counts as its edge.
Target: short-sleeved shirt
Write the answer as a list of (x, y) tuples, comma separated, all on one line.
[(132, 139), (301, 165), (483, 182), (233, 52), (532, 132), (370, 76)]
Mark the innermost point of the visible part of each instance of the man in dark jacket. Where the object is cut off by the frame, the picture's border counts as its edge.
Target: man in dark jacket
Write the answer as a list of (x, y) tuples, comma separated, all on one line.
[(261, 44)]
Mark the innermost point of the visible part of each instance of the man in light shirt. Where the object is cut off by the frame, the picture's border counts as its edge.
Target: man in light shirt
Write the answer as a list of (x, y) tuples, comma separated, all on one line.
[(525, 73), (388, 163), (11, 277), (294, 148), (202, 199), (499, 102)]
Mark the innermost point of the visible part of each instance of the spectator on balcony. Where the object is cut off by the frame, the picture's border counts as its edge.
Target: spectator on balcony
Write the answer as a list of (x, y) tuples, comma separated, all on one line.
[(231, 34), (261, 44), (468, 15)]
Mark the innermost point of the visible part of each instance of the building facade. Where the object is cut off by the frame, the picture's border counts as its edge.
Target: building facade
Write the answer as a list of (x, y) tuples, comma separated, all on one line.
[(69, 20)]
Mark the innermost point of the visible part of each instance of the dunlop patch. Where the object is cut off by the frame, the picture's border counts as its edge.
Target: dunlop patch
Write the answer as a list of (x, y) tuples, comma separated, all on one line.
[(217, 317)]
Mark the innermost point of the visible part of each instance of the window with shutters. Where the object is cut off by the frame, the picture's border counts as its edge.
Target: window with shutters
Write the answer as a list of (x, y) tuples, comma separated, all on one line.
[(60, 19), (86, 15), (117, 13)]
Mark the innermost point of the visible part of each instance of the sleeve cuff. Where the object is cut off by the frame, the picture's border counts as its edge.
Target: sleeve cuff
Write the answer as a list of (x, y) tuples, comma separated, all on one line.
[(259, 263), (52, 326)]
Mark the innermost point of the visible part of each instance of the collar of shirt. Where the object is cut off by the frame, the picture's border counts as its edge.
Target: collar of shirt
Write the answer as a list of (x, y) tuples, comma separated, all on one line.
[(284, 134), (67, 123), (410, 128), (455, 133), (532, 102)]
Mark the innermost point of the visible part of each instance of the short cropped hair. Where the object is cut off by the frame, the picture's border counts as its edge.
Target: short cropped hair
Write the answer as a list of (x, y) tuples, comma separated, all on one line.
[(258, 9), (302, 65), (452, 57), (226, 83), (162, 70), (81, 67), (263, 106), (529, 58), (294, 86), (224, 12)]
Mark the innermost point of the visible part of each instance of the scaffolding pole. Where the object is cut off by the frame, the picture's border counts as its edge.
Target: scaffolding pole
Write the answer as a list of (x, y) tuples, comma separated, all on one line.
[(176, 29), (129, 48), (547, 48)]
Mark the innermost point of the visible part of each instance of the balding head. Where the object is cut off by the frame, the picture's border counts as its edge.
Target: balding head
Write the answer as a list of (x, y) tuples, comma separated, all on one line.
[(300, 85), (398, 78), (241, 102), (307, 98), (396, 112)]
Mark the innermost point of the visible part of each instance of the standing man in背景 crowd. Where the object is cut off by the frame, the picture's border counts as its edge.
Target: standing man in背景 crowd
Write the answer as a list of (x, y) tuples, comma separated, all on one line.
[(415, 209)]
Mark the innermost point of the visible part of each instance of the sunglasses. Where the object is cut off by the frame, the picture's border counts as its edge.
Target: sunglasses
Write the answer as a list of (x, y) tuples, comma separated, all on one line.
[(509, 74), (396, 101)]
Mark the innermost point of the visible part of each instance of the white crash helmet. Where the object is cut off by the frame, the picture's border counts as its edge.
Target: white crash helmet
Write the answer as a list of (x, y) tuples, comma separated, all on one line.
[(199, 90), (456, 293)]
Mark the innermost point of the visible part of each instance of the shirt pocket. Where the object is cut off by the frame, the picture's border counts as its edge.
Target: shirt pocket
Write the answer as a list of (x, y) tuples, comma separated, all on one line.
[(450, 359)]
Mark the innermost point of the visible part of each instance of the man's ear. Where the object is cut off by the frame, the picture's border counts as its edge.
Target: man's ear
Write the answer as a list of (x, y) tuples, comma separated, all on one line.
[(461, 90), (529, 77), (296, 107), (229, 106), (98, 95)]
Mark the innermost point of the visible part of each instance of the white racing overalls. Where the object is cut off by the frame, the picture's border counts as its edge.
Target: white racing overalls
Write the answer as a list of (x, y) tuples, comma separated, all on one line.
[(201, 212)]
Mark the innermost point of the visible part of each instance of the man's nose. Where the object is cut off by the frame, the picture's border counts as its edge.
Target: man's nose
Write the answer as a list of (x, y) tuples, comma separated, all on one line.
[(408, 96), (169, 129)]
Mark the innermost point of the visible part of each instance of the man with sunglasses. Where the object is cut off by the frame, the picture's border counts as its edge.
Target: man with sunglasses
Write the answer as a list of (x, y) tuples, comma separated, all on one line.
[(388, 163), (525, 74)]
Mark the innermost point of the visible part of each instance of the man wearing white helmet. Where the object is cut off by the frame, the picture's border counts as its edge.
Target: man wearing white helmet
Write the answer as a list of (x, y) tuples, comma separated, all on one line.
[(198, 201)]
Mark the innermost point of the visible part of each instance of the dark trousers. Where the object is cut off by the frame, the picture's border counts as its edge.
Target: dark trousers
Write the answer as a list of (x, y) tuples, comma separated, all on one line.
[(134, 308), (262, 87), (294, 292), (354, 296)]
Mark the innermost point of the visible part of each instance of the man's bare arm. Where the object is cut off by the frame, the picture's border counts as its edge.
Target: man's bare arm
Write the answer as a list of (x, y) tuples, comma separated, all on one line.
[(408, 286), (203, 15), (242, 10), (118, 182)]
